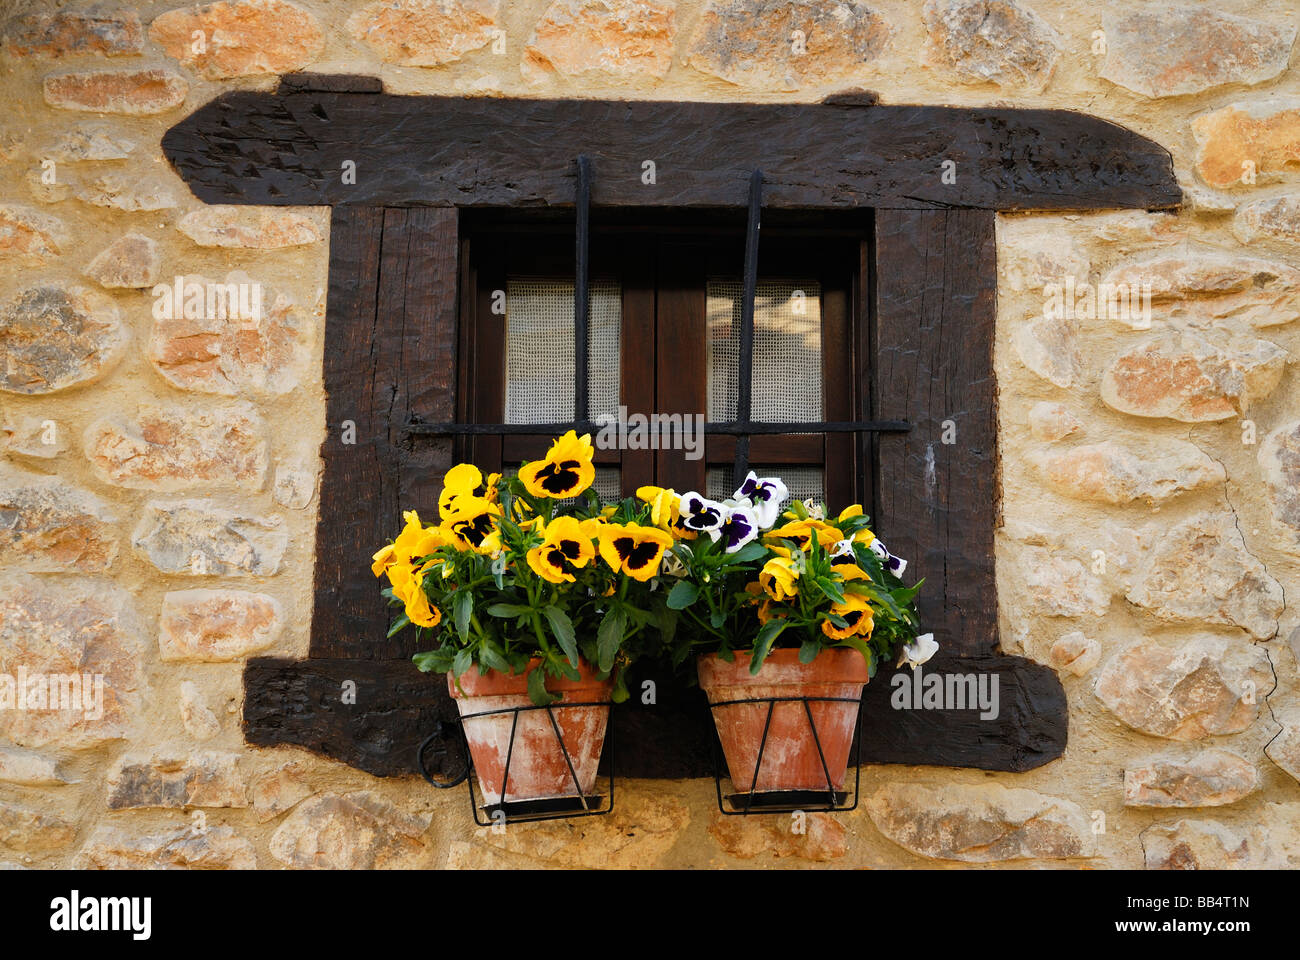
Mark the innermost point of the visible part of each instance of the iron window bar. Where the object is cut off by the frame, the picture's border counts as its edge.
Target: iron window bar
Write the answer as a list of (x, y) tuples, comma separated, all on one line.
[(742, 427), (573, 806), (829, 800)]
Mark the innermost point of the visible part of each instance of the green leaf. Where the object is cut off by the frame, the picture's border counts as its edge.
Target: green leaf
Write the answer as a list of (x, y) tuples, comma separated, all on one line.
[(537, 691), (830, 588), (463, 608), (763, 644), (562, 628), (716, 618), (463, 660), (609, 637), (682, 595), (620, 694), (508, 610), (398, 624), (808, 650), (750, 551), (432, 661), (860, 645), (492, 658)]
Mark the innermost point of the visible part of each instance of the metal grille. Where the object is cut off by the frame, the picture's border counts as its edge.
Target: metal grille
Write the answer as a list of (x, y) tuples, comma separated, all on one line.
[(742, 427)]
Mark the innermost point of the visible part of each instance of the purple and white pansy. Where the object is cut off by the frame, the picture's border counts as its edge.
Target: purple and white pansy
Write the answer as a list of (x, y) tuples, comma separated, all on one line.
[(765, 496), (701, 514), (739, 527), (895, 565), (735, 524)]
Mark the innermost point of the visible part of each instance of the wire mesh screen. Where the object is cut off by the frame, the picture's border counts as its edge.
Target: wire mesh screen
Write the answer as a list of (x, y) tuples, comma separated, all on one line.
[(802, 482), (787, 382), (539, 350)]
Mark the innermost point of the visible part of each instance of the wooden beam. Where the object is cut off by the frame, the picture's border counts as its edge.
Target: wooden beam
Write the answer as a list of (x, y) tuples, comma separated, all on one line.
[(390, 334), (937, 485), (1030, 727), (294, 147), (395, 707)]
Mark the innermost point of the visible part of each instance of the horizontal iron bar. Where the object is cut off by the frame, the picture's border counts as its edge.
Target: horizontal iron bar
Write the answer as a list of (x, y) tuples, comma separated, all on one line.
[(730, 428)]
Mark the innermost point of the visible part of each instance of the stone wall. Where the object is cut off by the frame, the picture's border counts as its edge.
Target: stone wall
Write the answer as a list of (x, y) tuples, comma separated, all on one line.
[(157, 515)]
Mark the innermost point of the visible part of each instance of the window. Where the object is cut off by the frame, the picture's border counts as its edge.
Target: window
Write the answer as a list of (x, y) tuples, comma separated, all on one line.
[(664, 322), (900, 265)]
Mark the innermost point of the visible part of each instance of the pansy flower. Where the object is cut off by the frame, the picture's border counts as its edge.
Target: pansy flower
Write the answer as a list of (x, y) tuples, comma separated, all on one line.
[(565, 471), (857, 617), (765, 495), (633, 549), (895, 565), (408, 586), (415, 540), (919, 651), (801, 532), (565, 548), (779, 578), (465, 480), (472, 521), (739, 526), (699, 514), (845, 562), (665, 507)]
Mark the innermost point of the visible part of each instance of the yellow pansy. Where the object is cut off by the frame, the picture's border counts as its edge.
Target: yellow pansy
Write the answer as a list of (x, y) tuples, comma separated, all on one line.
[(801, 532), (857, 615), (565, 471), (779, 578), (408, 586), (473, 519), (633, 549), (565, 548)]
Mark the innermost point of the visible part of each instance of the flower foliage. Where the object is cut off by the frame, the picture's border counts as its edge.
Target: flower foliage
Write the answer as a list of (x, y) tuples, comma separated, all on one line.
[(536, 568), (752, 576)]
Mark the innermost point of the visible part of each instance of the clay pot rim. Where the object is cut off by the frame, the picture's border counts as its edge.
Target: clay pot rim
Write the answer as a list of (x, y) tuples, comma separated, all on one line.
[(496, 684), (835, 665)]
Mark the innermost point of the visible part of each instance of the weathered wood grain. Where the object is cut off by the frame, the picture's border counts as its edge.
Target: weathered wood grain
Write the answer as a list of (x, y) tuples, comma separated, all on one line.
[(1029, 730), (935, 308), (301, 702), (389, 346), (290, 148)]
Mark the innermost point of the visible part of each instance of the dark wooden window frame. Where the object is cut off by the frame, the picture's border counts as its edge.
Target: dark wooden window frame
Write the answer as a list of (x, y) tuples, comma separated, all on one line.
[(397, 269)]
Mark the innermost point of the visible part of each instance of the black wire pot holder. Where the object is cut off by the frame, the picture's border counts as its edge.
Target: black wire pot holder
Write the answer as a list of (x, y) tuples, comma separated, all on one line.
[(746, 802), (565, 807)]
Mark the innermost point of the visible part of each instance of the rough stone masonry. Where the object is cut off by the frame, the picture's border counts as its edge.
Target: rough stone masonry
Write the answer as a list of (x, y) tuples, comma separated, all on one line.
[(157, 519)]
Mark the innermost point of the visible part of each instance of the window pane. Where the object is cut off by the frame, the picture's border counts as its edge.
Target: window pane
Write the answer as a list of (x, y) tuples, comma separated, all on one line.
[(539, 350), (787, 382)]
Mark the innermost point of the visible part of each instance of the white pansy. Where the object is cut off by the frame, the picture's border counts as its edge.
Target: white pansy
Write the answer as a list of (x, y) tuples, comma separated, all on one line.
[(918, 651), (765, 495)]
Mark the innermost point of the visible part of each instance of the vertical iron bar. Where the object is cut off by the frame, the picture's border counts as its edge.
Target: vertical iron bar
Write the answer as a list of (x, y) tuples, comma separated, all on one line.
[(830, 787), (745, 373), (510, 752), (758, 762), (568, 761), (580, 290)]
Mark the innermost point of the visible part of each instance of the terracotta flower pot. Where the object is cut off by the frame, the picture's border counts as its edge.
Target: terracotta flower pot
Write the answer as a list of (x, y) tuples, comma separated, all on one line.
[(537, 767), (790, 759)]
